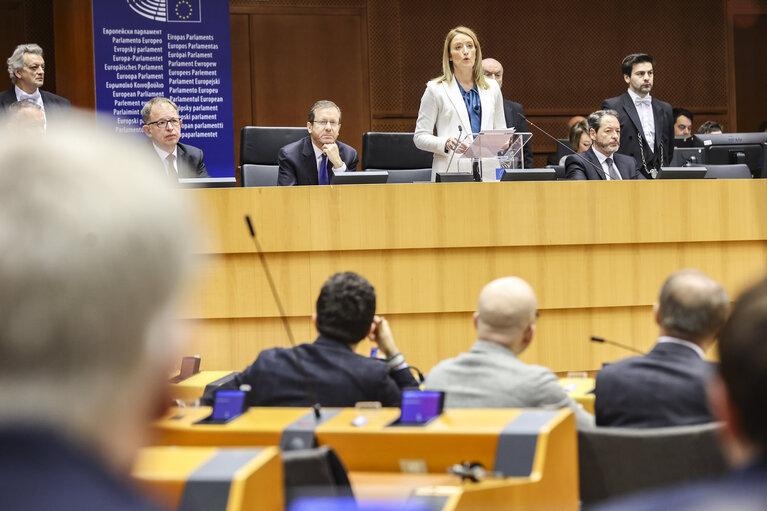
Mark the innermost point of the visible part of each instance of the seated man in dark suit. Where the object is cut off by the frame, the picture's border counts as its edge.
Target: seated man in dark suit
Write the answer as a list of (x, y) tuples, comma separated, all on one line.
[(737, 399), (513, 112), (337, 375), (601, 160), (163, 126), (667, 387), (647, 123), (91, 267), (26, 68), (310, 160)]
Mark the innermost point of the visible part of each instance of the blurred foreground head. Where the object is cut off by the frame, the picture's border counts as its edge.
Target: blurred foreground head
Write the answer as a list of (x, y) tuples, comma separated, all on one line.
[(93, 247)]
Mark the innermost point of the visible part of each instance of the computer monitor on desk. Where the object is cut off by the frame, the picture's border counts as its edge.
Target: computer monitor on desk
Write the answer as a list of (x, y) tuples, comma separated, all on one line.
[(733, 148)]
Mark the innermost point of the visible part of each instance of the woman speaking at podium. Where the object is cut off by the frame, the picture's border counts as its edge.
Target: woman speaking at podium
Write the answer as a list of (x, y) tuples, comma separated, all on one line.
[(458, 103)]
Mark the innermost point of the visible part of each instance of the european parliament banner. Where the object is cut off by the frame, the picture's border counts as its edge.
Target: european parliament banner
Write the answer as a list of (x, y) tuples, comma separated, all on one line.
[(179, 49)]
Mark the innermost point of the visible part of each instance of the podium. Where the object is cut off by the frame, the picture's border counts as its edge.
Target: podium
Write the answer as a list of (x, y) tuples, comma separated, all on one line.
[(494, 149)]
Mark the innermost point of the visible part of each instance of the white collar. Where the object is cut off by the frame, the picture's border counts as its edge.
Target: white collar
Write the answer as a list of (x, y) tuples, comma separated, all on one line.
[(22, 94), (675, 340), (635, 96), (163, 154)]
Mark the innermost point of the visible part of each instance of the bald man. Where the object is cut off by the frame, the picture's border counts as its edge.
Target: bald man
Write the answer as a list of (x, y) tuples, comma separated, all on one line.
[(513, 112), (667, 387), (490, 375)]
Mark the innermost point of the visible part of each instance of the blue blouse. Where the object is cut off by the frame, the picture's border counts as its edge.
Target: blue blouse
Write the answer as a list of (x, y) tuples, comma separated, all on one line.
[(473, 106)]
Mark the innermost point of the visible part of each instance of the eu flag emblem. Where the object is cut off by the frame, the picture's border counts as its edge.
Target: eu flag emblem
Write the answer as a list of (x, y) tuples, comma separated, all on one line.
[(184, 10)]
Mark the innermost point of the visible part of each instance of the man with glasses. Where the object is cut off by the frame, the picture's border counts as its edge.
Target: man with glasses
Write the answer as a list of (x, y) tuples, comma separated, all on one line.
[(313, 159), (490, 374), (163, 126)]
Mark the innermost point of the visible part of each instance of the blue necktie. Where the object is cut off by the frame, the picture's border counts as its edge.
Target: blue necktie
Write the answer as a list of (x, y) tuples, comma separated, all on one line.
[(324, 170)]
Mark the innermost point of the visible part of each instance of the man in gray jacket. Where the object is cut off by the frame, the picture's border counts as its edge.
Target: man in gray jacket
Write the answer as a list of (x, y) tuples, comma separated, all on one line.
[(490, 375)]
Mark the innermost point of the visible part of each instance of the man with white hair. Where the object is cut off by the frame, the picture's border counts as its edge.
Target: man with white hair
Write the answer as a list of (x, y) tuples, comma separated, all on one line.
[(91, 259), (490, 375), (26, 67)]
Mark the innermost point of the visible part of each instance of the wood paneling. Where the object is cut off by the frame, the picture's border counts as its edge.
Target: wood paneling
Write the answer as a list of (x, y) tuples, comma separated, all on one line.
[(749, 25), (11, 31), (74, 51), (301, 55), (596, 253)]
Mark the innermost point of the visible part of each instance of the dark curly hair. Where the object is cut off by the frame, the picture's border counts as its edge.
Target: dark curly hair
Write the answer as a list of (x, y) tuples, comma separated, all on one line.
[(346, 307)]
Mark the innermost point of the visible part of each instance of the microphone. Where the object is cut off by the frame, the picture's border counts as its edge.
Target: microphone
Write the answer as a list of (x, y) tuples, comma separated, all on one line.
[(552, 137), (460, 137), (624, 346), (284, 318)]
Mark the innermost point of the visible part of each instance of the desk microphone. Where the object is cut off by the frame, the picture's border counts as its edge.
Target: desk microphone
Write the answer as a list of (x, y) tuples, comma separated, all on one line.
[(552, 137), (457, 145), (624, 346), (283, 316)]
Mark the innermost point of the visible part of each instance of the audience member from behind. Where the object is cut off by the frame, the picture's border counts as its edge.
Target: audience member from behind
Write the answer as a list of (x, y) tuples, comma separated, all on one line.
[(667, 387), (313, 159), (90, 262), (737, 399), (458, 103), (710, 128), (580, 140), (601, 160), (26, 116), (512, 112), (490, 374), (162, 125), (26, 67), (337, 375), (682, 122), (647, 123)]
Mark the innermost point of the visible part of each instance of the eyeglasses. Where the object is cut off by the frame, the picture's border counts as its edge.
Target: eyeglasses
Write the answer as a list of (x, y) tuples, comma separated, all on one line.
[(164, 122), (332, 124)]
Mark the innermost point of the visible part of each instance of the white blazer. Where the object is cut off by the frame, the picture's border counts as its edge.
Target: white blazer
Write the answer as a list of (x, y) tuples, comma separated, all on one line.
[(442, 106)]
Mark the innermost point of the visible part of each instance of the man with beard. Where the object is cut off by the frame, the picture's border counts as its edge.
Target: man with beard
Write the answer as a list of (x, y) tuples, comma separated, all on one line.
[(647, 124), (601, 160)]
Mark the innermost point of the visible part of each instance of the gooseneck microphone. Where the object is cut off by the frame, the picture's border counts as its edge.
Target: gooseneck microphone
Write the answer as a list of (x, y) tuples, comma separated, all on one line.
[(552, 137), (284, 318), (457, 145), (624, 346)]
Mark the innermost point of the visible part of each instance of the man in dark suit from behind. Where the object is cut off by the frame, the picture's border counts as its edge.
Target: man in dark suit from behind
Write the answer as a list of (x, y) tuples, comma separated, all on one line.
[(513, 112), (647, 124), (26, 67), (667, 387), (601, 160), (737, 400), (162, 125), (336, 375), (311, 160)]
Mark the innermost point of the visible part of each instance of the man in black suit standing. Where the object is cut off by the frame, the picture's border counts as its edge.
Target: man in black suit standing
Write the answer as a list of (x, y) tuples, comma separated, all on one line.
[(667, 387), (513, 112), (601, 160), (26, 67), (311, 160), (647, 124), (163, 126)]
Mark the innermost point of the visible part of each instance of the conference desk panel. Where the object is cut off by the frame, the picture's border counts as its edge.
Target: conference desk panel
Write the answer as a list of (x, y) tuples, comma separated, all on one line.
[(596, 253)]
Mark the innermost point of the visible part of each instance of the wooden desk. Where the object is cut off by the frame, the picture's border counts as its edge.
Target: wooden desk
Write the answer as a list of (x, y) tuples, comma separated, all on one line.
[(193, 387), (595, 252), (580, 389)]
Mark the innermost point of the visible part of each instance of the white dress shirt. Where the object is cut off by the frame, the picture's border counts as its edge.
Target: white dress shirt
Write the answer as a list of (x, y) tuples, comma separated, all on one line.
[(646, 117), (164, 157), (603, 161), (318, 158)]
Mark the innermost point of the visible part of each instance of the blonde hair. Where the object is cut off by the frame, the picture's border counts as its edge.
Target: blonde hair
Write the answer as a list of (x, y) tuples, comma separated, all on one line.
[(447, 65)]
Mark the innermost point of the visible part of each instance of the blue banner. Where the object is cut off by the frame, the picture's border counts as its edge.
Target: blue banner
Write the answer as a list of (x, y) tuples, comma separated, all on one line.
[(178, 49)]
